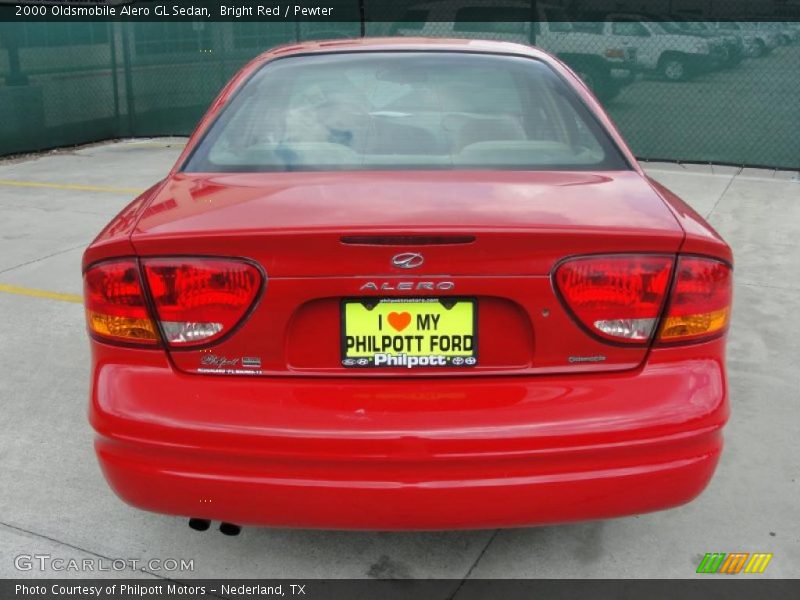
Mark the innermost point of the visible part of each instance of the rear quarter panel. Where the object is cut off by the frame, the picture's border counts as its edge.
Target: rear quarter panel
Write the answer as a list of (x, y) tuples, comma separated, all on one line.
[(700, 237), (115, 238)]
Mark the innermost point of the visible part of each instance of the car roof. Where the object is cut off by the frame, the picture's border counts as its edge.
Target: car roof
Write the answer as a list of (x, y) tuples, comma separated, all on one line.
[(376, 44)]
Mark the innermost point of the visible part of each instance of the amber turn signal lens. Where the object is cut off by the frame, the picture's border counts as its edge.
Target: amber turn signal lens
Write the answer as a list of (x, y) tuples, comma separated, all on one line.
[(693, 325), (700, 304), (115, 304), (127, 328)]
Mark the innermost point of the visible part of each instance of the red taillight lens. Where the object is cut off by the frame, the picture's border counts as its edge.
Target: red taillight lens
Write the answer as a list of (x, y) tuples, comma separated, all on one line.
[(701, 300), (115, 304), (618, 298), (198, 300)]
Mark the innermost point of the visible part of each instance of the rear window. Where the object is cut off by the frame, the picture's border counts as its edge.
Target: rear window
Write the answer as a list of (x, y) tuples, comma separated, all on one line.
[(404, 110)]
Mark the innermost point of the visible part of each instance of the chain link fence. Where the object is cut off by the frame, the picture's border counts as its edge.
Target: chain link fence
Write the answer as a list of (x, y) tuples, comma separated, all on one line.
[(680, 88)]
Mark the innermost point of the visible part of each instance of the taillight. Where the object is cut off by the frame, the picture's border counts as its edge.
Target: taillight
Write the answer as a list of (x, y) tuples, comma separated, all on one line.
[(199, 300), (701, 300), (115, 304), (617, 298)]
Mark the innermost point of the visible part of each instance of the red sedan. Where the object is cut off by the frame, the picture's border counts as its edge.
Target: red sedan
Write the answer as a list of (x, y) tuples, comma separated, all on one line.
[(407, 284)]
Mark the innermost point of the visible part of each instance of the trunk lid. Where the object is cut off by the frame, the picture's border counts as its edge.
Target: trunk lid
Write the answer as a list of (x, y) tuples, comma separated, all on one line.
[(488, 235)]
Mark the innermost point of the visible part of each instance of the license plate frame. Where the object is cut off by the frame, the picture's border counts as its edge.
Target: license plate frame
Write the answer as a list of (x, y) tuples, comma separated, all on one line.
[(414, 354)]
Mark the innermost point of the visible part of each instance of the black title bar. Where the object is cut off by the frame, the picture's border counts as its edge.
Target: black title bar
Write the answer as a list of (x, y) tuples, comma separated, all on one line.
[(387, 10)]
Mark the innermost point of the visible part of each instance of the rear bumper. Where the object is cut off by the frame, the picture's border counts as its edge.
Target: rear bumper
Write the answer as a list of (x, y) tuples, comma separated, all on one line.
[(409, 454)]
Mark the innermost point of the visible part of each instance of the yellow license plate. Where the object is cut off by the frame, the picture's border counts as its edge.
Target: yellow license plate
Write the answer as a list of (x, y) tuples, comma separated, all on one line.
[(409, 332)]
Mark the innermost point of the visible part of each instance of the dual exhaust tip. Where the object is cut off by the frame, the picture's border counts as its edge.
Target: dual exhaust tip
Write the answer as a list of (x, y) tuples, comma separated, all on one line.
[(224, 528)]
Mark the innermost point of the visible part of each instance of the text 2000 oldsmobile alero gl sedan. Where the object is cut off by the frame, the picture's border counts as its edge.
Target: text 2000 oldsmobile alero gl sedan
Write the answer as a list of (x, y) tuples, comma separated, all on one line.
[(407, 284)]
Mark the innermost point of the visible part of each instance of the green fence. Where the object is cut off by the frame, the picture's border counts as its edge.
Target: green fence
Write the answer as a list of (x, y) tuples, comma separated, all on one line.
[(729, 95)]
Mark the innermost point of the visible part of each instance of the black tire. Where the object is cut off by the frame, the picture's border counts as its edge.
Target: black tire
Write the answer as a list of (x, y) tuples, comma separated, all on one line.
[(673, 68)]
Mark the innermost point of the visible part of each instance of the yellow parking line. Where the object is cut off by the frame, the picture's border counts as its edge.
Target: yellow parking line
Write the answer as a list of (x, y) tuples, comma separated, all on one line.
[(71, 186), (23, 291)]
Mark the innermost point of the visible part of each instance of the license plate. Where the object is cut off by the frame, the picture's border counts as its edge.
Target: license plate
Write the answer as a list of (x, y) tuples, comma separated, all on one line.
[(409, 333)]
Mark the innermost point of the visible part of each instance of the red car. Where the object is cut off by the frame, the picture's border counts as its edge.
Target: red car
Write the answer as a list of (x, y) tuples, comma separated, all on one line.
[(407, 284)]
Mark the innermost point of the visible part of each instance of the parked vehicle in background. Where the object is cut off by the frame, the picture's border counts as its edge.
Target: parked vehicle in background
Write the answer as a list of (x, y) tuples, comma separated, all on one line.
[(794, 28), (604, 66), (786, 35), (671, 53), (757, 42), (731, 41)]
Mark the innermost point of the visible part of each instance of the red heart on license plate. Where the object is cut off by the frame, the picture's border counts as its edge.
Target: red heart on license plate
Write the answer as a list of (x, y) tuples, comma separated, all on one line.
[(399, 320)]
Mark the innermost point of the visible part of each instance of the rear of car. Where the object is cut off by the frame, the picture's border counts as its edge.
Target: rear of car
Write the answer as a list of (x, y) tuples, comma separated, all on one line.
[(407, 285)]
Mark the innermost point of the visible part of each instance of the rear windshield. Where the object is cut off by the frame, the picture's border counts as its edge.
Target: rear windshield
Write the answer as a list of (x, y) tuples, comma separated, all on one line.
[(404, 110)]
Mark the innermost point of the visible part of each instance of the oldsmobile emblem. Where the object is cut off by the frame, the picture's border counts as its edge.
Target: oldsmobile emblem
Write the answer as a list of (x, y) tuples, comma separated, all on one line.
[(408, 260)]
